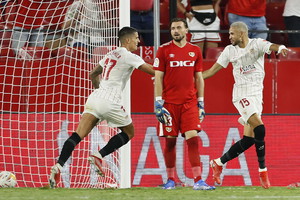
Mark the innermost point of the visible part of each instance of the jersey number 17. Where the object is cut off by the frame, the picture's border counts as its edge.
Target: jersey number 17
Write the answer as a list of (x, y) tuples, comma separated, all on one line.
[(108, 66)]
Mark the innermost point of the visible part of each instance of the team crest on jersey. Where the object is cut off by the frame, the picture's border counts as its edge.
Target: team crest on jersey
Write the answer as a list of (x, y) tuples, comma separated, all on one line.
[(168, 129), (192, 54)]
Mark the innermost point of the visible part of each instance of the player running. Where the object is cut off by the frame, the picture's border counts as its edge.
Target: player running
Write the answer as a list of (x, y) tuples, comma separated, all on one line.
[(106, 102), (179, 105), (247, 58)]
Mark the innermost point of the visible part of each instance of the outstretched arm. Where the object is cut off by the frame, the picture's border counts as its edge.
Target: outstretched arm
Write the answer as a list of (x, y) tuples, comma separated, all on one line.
[(212, 71), (279, 49), (147, 68), (94, 75)]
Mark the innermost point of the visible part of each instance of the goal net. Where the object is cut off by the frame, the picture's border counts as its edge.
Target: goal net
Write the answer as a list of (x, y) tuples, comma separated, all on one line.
[(47, 50)]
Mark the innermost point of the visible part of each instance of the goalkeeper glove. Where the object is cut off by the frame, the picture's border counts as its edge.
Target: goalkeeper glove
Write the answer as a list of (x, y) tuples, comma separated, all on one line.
[(201, 110), (161, 113)]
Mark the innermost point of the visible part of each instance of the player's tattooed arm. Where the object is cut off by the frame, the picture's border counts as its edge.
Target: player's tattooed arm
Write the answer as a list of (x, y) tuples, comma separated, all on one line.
[(94, 75)]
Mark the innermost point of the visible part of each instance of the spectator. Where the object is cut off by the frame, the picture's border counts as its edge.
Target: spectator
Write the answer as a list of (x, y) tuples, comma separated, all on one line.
[(28, 25), (141, 18), (291, 16), (83, 24), (203, 16), (252, 13)]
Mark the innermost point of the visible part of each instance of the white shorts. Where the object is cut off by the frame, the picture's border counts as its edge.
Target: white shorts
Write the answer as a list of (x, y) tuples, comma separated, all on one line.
[(105, 109), (194, 24), (248, 106)]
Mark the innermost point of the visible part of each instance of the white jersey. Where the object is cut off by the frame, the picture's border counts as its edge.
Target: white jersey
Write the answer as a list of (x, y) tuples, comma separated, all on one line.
[(248, 67), (118, 66), (105, 103)]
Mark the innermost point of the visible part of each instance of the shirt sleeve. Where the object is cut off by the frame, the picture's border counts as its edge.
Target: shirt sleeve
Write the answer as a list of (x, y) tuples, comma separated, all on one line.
[(159, 62), (224, 58), (264, 45), (102, 61), (135, 60)]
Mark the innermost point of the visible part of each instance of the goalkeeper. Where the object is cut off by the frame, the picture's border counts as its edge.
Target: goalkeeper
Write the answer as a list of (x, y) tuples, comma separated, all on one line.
[(178, 86), (106, 102)]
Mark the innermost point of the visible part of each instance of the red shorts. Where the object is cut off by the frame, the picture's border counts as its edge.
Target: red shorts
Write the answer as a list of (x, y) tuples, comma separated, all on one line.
[(185, 117)]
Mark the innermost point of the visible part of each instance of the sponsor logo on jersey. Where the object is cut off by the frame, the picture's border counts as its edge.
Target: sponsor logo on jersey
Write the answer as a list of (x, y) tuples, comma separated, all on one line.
[(247, 69), (192, 54), (185, 63)]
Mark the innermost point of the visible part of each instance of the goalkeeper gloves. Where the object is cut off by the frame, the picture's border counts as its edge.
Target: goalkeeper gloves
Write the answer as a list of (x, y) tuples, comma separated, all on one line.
[(161, 113), (201, 110)]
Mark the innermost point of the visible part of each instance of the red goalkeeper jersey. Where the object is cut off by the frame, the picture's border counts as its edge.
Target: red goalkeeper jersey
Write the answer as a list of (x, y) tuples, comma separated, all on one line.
[(179, 65)]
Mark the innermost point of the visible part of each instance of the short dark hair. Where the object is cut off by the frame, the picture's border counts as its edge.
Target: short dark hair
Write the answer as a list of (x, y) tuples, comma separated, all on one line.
[(179, 20), (125, 31)]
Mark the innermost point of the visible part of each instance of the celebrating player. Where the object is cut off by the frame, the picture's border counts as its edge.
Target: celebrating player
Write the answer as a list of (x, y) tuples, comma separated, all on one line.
[(106, 103), (178, 86), (247, 58)]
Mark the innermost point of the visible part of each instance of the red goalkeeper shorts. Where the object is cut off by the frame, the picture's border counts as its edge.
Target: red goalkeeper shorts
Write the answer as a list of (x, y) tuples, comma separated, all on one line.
[(184, 117)]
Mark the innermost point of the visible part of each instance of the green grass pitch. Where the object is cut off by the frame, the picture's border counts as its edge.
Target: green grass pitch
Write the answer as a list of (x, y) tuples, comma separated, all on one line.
[(183, 193)]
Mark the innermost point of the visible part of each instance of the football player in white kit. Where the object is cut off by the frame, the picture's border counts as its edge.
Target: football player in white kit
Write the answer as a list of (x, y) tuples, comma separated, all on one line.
[(247, 58), (106, 102)]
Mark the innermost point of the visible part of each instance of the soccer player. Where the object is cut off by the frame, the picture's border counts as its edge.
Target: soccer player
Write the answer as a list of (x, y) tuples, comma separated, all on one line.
[(179, 104), (247, 58), (106, 103)]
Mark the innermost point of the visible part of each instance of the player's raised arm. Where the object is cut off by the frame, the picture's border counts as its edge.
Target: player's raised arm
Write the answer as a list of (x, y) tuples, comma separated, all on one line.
[(94, 75), (147, 68), (279, 49), (212, 71)]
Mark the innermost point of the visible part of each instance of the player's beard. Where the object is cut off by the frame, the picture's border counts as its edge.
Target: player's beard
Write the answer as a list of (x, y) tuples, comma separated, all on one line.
[(178, 38), (236, 42)]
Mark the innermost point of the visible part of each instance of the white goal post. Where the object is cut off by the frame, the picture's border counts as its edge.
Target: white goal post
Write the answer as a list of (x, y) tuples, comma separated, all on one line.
[(47, 50)]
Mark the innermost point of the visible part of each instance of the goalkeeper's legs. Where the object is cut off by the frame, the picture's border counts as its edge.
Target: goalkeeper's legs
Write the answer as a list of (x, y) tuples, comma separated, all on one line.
[(170, 160), (86, 124), (192, 141)]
